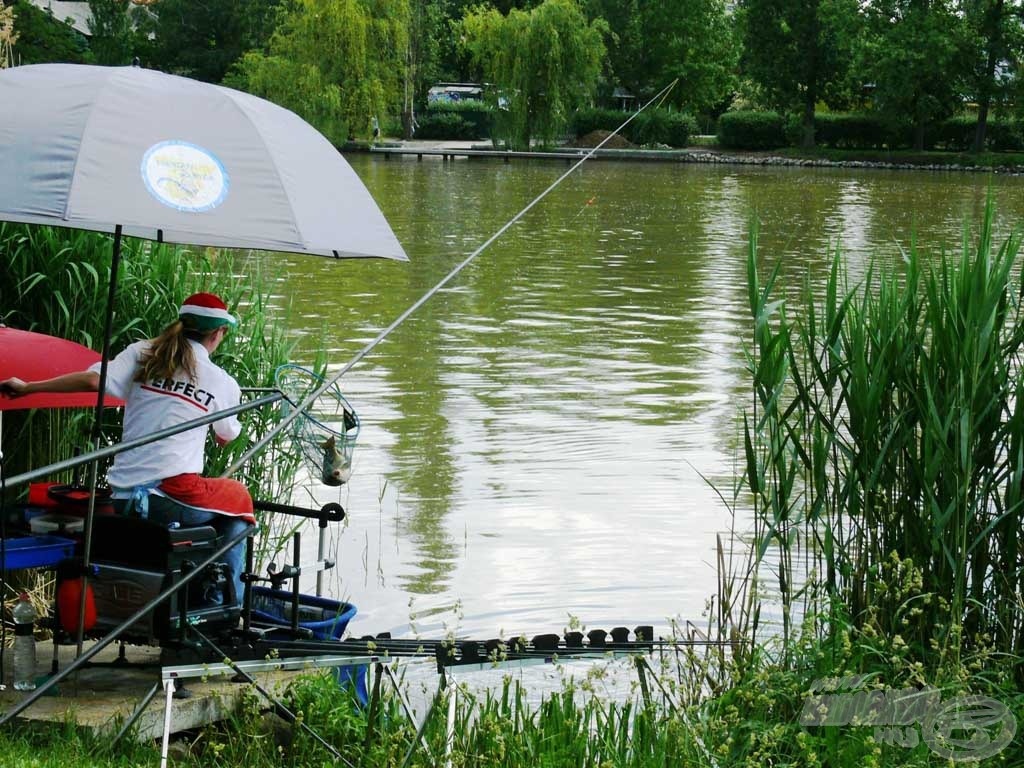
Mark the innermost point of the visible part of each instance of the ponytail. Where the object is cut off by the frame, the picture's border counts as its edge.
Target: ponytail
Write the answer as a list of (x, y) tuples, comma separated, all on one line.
[(168, 353)]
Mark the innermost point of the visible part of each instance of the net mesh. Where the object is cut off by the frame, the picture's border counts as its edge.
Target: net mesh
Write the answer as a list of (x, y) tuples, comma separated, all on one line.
[(326, 431)]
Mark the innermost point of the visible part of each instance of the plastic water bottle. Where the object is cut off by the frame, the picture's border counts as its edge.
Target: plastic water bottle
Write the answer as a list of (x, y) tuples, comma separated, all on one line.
[(24, 644)]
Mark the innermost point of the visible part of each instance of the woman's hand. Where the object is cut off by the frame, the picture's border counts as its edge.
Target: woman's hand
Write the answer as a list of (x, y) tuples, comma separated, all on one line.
[(13, 387)]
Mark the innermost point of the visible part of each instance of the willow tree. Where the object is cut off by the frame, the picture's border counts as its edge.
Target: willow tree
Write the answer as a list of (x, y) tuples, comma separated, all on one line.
[(337, 63), (545, 63)]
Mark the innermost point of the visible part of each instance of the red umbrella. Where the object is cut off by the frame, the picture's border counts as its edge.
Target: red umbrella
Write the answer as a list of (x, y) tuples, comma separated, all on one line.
[(34, 356)]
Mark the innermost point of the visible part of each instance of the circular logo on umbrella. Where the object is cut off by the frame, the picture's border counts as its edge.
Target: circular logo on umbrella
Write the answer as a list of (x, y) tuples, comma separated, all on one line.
[(184, 176)]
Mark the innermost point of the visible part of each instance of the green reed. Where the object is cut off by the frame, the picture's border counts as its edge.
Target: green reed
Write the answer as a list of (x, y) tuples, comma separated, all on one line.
[(57, 285), (888, 419)]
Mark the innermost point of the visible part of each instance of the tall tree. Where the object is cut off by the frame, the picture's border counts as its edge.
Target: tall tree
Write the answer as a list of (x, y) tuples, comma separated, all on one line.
[(917, 55), (654, 42), (338, 63), (996, 36), (202, 40), (43, 38), (545, 63), (799, 52), (113, 36)]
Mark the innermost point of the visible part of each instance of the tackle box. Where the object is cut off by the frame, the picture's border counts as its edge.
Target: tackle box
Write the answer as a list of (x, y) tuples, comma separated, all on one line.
[(34, 551)]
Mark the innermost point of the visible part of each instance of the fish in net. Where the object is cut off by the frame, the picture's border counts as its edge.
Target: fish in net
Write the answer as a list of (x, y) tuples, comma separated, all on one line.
[(326, 430)]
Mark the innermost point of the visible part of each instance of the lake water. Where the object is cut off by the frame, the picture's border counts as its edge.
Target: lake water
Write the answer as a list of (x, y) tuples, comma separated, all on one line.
[(552, 436)]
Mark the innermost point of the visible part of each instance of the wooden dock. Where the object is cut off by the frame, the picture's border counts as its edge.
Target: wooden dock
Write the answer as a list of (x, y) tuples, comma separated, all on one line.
[(100, 697), (565, 155)]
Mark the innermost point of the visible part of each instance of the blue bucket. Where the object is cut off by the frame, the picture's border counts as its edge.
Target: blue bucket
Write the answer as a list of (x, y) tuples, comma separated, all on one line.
[(326, 619)]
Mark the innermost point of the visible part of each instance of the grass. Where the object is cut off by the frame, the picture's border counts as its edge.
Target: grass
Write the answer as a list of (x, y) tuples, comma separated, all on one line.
[(887, 423), (933, 157)]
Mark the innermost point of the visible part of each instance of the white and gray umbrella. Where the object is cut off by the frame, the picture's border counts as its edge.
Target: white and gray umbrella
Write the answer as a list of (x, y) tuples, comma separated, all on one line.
[(172, 159), (136, 152)]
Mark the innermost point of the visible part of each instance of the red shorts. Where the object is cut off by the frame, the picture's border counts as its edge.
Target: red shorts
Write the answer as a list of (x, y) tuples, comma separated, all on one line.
[(221, 494)]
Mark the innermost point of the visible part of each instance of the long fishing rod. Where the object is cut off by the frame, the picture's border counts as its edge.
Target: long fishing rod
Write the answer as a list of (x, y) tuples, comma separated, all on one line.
[(308, 400)]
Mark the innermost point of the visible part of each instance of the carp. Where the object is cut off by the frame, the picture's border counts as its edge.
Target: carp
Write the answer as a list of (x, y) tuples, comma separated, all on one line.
[(337, 467)]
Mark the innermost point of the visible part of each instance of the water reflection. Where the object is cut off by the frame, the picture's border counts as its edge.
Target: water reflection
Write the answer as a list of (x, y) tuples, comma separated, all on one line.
[(538, 440)]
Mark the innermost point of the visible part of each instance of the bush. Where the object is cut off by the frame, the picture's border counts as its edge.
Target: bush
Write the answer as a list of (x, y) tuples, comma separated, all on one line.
[(660, 126), (751, 130), (653, 126), (853, 131), (1004, 136), (596, 119), (957, 134), (478, 116), (445, 125)]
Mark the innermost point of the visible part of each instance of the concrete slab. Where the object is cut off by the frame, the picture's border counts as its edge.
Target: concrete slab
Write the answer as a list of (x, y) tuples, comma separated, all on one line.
[(102, 696)]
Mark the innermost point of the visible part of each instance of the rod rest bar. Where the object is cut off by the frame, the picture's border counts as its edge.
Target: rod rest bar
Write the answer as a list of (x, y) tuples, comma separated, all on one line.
[(328, 513)]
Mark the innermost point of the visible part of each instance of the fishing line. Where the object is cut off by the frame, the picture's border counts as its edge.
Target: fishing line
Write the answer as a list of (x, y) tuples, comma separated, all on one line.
[(308, 400)]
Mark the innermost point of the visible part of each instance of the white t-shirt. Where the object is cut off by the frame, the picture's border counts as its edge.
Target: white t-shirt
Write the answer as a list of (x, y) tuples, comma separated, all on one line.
[(151, 406)]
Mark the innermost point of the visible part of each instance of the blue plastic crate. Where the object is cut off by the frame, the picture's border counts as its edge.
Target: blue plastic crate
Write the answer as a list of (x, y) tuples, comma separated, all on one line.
[(35, 551), (325, 618)]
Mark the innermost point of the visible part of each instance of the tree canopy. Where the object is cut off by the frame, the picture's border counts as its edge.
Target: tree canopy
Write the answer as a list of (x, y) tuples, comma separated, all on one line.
[(545, 63), (340, 63)]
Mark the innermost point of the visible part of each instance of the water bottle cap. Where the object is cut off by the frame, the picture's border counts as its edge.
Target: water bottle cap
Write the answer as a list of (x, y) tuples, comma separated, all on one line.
[(23, 596)]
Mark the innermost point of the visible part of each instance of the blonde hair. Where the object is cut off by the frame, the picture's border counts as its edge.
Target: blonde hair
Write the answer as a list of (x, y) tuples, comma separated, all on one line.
[(170, 352)]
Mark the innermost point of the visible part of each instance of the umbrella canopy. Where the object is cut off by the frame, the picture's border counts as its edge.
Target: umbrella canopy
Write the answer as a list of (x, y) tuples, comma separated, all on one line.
[(173, 159), (34, 356)]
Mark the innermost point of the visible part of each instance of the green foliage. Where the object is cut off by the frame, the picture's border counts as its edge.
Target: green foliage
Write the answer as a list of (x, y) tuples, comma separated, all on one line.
[(57, 284), (661, 126), (888, 422), (957, 134), (203, 40), (113, 38), (446, 125), (751, 130), (916, 57), (341, 91), (652, 126), (590, 119), (42, 38), (654, 42), (854, 131), (799, 52), (477, 115), (544, 62)]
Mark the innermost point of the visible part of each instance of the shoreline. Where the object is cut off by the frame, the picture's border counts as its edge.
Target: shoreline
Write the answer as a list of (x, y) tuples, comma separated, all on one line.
[(696, 155)]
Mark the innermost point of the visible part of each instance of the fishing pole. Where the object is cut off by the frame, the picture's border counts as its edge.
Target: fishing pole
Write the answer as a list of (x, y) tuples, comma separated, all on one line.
[(308, 400)]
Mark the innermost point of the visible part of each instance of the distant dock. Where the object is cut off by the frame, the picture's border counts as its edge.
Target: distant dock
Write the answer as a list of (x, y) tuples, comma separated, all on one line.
[(565, 155)]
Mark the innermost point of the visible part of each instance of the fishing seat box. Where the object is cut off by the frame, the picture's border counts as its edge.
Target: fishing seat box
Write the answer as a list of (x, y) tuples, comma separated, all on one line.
[(137, 559)]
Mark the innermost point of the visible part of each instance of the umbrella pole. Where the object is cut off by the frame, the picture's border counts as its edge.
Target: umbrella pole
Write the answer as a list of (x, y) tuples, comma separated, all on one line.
[(108, 330)]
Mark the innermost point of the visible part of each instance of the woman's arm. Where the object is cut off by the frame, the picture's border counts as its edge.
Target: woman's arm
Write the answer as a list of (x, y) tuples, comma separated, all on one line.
[(79, 381)]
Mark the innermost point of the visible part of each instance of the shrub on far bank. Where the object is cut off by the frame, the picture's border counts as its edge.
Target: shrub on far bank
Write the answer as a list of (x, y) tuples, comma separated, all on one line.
[(957, 134), (653, 126), (752, 130), (463, 120)]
